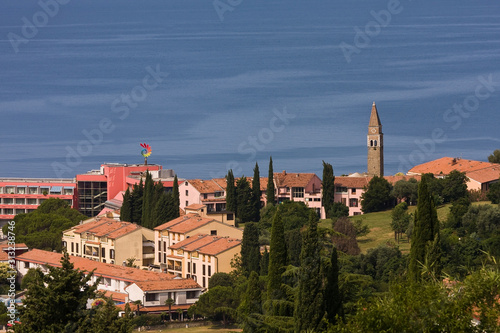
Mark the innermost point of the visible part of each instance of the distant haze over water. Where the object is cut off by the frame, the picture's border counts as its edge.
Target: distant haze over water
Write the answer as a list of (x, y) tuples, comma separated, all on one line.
[(287, 78)]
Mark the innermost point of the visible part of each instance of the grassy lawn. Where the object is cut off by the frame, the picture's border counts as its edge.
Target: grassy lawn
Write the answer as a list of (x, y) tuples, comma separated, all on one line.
[(380, 227), (201, 329)]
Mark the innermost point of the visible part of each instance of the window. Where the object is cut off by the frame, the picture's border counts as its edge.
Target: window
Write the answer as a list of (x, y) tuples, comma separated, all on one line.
[(165, 258), (203, 270), (68, 191), (353, 190), (20, 201), (112, 254), (72, 247), (218, 194), (375, 143), (205, 196), (33, 190), (21, 190), (190, 294), (353, 202), (8, 211), (187, 193), (20, 211), (317, 199), (297, 192), (187, 203), (164, 246), (31, 201), (76, 247), (103, 252), (340, 189), (194, 268), (189, 267), (344, 201), (10, 190), (209, 270), (159, 245), (213, 232), (8, 201), (151, 297), (357, 213), (230, 217), (26, 264)]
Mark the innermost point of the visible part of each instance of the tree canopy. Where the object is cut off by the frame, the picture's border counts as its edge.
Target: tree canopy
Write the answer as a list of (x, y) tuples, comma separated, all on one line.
[(377, 196), (495, 156)]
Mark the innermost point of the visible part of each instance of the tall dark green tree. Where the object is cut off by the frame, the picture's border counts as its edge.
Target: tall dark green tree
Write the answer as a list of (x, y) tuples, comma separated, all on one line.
[(136, 202), (455, 186), (333, 297), (270, 195), (377, 196), (231, 204), (126, 209), (328, 188), (264, 262), (163, 211), (250, 249), (256, 193), (309, 306), (494, 193), (148, 201), (277, 259), (250, 307), (495, 157), (425, 232), (176, 202), (244, 211)]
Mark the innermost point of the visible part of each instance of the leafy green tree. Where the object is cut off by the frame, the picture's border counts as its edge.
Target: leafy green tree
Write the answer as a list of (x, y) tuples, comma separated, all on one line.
[(484, 220), (32, 275), (56, 301), (457, 211), (455, 186), (495, 157), (256, 193), (217, 302), (244, 211), (400, 220), (309, 310), (333, 298), (104, 318), (270, 195), (126, 209), (328, 185), (406, 190), (250, 309), (264, 263), (377, 196), (250, 249), (42, 228), (231, 203), (494, 193), (3, 314), (338, 209), (277, 259), (221, 279), (295, 215), (426, 230)]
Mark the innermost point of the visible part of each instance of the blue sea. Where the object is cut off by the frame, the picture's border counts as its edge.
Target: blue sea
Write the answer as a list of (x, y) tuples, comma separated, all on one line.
[(213, 85)]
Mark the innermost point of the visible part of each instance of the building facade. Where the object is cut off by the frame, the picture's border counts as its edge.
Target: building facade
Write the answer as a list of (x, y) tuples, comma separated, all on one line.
[(375, 143)]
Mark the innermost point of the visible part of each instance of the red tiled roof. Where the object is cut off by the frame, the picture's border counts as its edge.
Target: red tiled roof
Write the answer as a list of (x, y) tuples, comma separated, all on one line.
[(165, 285), (184, 223), (394, 179), (445, 165), (17, 246), (485, 175), (154, 309), (284, 179), (205, 186), (106, 227), (4, 256), (207, 244), (115, 296), (101, 269), (352, 182), (194, 206)]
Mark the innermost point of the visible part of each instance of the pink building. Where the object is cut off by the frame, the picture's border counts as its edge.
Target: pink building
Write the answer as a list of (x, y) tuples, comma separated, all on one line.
[(24, 195)]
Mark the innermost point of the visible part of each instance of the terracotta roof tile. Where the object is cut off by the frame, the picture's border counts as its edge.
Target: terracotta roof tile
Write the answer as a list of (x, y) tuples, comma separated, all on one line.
[(106, 227), (115, 296), (195, 206), (184, 223), (205, 186), (445, 165), (4, 256), (352, 182), (166, 285), (485, 175), (101, 269), (207, 244), (18, 246), (285, 179)]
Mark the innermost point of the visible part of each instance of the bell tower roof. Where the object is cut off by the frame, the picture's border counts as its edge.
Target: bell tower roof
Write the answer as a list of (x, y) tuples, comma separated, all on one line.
[(374, 119)]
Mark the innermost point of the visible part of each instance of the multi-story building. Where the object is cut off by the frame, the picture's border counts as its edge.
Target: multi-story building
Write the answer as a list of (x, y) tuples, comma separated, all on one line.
[(123, 284), (178, 229), (110, 241), (98, 186), (24, 195), (211, 193), (200, 256)]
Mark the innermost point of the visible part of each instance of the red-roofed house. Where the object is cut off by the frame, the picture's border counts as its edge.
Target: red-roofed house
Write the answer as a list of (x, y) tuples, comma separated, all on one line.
[(110, 241), (177, 230), (123, 284), (200, 256)]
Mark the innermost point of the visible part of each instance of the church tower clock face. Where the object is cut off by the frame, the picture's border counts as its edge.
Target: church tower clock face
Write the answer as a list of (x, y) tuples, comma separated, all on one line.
[(375, 141), (373, 130)]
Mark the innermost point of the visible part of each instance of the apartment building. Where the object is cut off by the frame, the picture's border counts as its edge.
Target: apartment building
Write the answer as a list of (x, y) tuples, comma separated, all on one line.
[(109, 241), (123, 284), (24, 195), (176, 230), (200, 256)]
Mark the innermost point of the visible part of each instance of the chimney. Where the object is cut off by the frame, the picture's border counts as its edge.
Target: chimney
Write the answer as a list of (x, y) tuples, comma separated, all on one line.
[(284, 172)]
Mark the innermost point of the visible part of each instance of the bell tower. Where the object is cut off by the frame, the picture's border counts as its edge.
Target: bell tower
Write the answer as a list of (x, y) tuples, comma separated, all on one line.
[(375, 143)]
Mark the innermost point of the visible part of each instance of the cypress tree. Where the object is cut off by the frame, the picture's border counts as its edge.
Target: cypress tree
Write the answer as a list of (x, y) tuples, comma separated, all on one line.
[(250, 250), (333, 298), (176, 202), (256, 193), (277, 259), (136, 202), (244, 206), (126, 209), (264, 262), (162, 210), (425, 230), (270, 197), (251, 305), (309, 308), (148, 201), (230, 192), (328, 188)]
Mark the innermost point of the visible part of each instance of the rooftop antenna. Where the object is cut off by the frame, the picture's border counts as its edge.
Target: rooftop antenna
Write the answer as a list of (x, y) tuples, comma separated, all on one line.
[(145, 152)]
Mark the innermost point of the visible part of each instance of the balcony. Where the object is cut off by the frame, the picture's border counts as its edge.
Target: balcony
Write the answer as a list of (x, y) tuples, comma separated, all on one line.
[(148, 244), (148, 256)]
